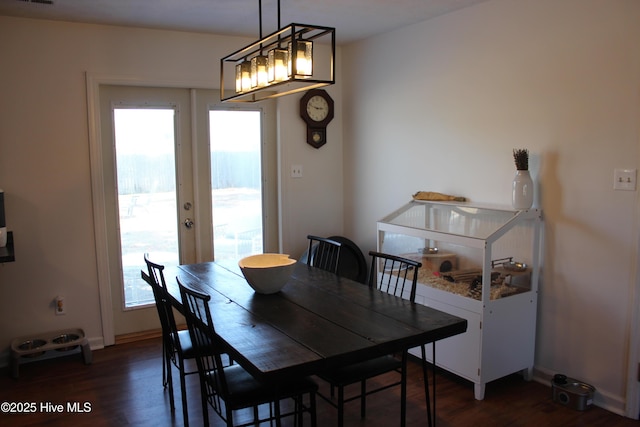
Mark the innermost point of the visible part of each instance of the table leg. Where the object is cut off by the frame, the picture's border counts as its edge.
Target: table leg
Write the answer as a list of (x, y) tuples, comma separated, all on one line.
[(425, 375), (433, 382), (431, 403)]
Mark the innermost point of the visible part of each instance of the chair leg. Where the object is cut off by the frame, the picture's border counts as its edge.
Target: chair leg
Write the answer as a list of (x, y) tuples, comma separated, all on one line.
[(312, 409), (183, 390), (164, 364), (229, 417), (205, 404), (255, 414), (299, 405), (277, 414), (340, 406), (403, 391), (167, 367), (363, 398)]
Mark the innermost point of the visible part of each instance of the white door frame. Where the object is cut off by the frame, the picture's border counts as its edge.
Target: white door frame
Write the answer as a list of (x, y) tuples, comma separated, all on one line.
[(93, 83), (632, 399)]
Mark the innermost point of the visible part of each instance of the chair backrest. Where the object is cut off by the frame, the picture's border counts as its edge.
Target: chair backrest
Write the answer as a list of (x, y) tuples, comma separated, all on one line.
[(324, 253), (205, 341), (156, 271), (393, 274), (155, 279)]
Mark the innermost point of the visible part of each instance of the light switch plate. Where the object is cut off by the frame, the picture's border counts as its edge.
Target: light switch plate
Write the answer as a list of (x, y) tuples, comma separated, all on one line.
[(624, 179)]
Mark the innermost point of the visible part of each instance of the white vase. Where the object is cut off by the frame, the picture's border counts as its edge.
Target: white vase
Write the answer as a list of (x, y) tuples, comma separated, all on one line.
[(522, 190)]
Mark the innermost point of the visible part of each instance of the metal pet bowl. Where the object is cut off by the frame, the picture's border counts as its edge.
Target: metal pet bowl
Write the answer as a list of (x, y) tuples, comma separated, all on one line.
[(65, 338), (32, 345), (515, 266), (267, 273), (428, 251)]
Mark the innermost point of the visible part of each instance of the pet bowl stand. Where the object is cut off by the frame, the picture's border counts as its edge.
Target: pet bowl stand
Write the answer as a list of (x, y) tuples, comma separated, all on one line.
[(48, 345)]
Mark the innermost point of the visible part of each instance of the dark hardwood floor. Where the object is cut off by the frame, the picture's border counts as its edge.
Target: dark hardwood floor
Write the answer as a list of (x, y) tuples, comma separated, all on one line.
[(123, 387)]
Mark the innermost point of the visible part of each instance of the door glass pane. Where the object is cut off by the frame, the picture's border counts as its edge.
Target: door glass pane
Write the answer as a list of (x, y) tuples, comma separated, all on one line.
[(236, 183), (145, 164)]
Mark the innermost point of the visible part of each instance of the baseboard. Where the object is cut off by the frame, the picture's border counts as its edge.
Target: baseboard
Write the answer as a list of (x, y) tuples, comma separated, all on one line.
[(96, 343), (138, 336), (602, 398)]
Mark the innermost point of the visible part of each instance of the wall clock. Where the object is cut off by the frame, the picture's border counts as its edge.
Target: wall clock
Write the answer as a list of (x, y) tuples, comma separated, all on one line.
[(316, 109)]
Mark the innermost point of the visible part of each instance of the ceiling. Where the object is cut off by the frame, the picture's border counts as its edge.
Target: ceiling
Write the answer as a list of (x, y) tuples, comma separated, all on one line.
[(352, 19)]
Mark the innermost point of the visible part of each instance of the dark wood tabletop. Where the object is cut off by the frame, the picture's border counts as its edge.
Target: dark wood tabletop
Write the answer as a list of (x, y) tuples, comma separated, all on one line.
[(318, 320)]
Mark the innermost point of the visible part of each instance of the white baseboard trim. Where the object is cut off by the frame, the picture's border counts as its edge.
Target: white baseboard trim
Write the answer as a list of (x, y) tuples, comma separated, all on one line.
[(96, 343)]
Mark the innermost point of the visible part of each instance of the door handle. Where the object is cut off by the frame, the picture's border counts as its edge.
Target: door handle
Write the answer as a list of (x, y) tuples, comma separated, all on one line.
[(188, 223)]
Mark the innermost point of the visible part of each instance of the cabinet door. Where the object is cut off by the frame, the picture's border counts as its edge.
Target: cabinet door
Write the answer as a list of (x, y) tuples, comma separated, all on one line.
[(509, 336), (459, 354)]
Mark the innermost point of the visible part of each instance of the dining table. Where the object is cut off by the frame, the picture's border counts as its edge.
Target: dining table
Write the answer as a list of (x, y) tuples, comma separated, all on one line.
[(318, 321)]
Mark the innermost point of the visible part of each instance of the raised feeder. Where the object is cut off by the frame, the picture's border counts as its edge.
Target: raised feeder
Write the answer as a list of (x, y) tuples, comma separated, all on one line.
[(48, 345)]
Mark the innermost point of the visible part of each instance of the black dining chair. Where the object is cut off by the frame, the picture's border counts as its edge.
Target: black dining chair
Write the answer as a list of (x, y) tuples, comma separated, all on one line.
[(397, 276), (176, 344), (324, 253), (230, 388)]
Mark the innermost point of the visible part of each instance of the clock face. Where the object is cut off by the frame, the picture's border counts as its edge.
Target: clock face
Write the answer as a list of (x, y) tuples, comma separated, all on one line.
[(317, 108)]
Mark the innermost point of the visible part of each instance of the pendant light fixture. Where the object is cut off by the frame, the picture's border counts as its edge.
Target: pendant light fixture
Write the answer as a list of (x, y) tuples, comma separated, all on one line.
[(295, 58)]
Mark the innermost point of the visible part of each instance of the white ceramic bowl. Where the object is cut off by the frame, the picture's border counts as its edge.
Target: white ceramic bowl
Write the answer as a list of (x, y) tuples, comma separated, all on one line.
[(267, 273)]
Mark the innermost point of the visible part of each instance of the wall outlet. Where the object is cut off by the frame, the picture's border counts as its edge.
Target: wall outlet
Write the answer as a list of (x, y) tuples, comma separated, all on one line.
[(296, 171), (624, 179), (60, 306)]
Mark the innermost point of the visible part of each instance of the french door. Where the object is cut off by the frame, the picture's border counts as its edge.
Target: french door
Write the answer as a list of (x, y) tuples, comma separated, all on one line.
[(186, 180)]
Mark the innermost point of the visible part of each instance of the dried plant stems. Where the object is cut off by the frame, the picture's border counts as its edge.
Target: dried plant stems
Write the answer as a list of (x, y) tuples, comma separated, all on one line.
[(521, 157)]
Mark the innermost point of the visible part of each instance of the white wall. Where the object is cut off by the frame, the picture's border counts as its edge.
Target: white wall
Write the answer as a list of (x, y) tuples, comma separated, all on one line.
[(45, 169), (561, 78), (441, 104), (312, 204)]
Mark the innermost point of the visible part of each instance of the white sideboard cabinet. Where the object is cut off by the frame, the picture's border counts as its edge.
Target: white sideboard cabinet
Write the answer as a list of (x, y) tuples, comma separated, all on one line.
[(479, 263)]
